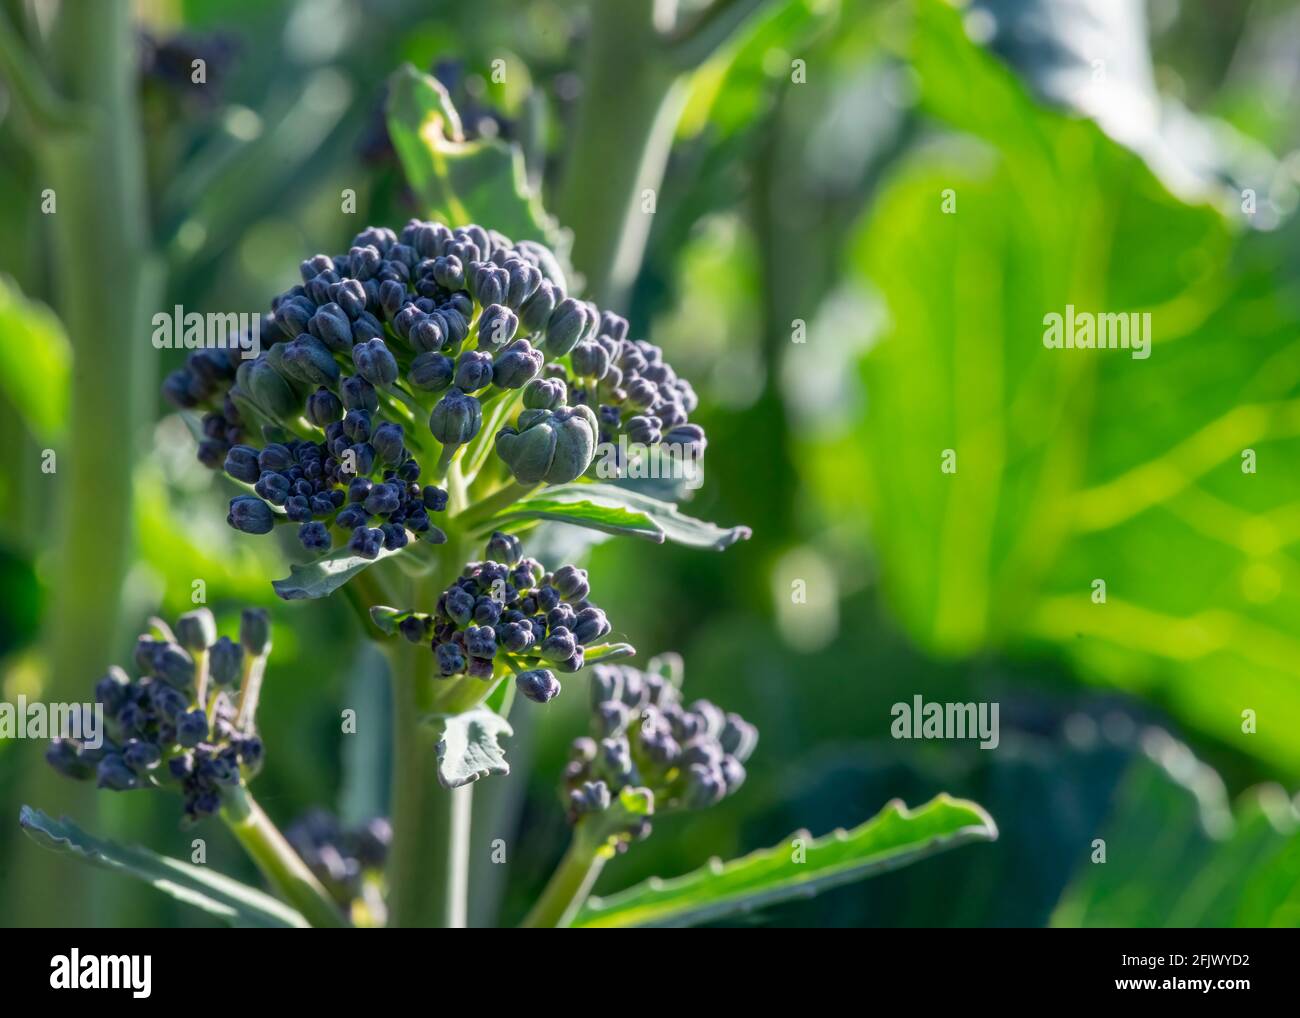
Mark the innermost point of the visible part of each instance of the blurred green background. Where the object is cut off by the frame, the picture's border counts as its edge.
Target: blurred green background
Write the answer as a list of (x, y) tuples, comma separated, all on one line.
[(843, 329)]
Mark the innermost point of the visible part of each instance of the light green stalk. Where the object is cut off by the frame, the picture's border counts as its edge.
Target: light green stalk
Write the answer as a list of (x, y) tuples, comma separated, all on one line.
[(90, 158), (635, 86), (632, 98), (572, 880), (428, 875), (277, 860)]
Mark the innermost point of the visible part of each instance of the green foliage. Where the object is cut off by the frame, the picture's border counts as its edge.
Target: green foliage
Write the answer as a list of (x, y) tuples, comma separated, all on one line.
[(323, 576), (459, 181), (469, 746), (1077, 465), (604, 653), (732, 91), (609, 519), (801, 867), (619, 510), (1072, 466), (1177, 857), (228, 900), (35, 362)]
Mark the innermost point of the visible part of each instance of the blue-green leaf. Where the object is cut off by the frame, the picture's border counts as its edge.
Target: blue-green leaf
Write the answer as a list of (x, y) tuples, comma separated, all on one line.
[(325, 575), (469, 746), (670, 522), (609, 519), (800, 867), (1218, 866), (218, 895)]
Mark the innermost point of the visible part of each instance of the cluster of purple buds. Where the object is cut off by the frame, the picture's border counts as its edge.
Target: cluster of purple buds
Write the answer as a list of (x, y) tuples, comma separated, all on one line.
[(633, 391), (642, 735), (205, 384), (360, 485), (342, 858), (508, 611), (167, 64), (380, 365), (186, 722)]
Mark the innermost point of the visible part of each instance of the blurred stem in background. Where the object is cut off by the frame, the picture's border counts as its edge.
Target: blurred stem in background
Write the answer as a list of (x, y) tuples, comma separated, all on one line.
[(89, 147), (21, 511), (631, 100), (635, 84)]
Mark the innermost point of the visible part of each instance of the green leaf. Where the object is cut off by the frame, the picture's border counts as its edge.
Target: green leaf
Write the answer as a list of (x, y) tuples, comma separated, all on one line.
[(461, 181), (670, 522), (228, 900), (894, 837), (729, 93), (1074, 465), (709, 31), (35, 362), (469, 746), (387, 619), (325, 575), (592, 515), (1053, 44), (607, 652), (1177, 855)]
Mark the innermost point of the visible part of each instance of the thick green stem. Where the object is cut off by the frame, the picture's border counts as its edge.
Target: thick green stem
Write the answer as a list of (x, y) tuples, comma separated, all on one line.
[(631, 101), (428, 875), (571, 882), (428, 870), (277, 860), (103, 285), (370, 587), (411, 859)]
